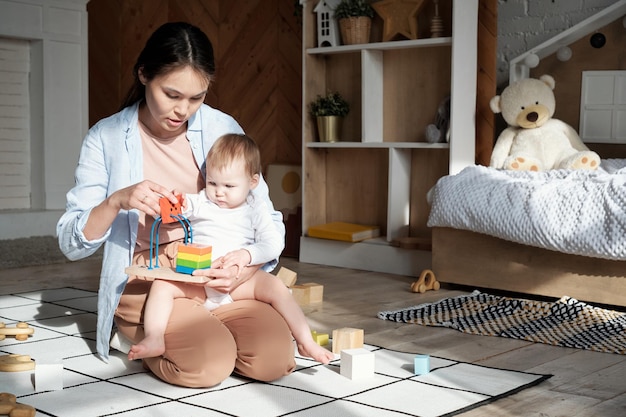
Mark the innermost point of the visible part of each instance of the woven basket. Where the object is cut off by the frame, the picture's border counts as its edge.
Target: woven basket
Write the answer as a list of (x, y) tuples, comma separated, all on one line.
[(355, 30)]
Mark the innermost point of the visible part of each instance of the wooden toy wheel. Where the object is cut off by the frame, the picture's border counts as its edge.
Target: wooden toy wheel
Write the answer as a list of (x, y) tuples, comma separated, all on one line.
[(22, 325)]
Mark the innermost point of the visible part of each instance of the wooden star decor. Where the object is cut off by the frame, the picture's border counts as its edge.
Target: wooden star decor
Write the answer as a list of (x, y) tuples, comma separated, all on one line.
[(399, 17)]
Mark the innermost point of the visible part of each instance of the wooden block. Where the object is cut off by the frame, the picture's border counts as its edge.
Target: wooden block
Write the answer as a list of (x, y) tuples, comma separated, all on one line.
[(421, 364), (287, 276), (193, 258), (169, 210), (357, 363), (16, 363), (320, 338), (347, 338), (195, 249), (49, 377), (308, 293)]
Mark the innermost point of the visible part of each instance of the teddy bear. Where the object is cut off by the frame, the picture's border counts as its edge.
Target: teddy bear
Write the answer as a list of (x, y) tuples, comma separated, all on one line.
[(533, 140)]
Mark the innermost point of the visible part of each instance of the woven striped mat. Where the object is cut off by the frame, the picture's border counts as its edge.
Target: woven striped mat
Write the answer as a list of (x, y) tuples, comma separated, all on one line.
[(566, 322)]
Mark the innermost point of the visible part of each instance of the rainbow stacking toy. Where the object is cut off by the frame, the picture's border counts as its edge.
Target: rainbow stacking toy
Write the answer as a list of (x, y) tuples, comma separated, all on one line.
[(190, 256), (193, 256)]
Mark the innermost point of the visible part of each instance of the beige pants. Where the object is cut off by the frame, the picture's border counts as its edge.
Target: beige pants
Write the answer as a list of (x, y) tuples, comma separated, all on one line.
[(204, 347)]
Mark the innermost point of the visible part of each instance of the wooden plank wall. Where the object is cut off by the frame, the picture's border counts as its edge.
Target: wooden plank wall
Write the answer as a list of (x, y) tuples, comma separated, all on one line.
[(258, 48)]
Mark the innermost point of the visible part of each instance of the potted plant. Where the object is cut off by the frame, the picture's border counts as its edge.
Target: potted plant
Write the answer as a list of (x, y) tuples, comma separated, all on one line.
[(328, 111), (355, 20)]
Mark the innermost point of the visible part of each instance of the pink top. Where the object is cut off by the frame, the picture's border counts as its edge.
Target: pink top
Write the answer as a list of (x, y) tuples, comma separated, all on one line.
[(169, 163)]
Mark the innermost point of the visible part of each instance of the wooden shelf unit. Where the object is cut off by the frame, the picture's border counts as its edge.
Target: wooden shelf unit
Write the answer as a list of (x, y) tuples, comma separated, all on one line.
[(381, 170)]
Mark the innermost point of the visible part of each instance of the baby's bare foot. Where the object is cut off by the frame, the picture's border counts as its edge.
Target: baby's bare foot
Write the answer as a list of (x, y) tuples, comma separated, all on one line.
[(315, 351), (147, 348)]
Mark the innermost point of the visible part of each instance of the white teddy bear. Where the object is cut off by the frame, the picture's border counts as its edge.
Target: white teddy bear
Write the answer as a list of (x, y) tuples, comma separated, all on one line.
[(534, 141)]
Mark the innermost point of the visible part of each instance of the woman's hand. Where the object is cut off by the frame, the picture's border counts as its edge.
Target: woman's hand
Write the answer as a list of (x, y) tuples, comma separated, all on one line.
[(143, 196), (226, 279)]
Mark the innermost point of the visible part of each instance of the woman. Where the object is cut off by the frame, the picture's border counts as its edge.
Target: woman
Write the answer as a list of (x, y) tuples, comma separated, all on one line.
[(155, 144)]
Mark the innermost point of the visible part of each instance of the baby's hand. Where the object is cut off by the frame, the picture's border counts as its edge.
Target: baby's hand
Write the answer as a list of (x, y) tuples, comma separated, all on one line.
[(239, 258), (181, 198)]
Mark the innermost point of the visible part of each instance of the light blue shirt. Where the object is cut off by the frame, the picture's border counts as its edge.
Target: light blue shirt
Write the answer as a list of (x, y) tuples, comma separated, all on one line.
[(110, 159)]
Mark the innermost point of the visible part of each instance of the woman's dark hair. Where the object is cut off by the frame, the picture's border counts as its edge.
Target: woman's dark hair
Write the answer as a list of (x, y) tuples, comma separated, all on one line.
[(171, 46)]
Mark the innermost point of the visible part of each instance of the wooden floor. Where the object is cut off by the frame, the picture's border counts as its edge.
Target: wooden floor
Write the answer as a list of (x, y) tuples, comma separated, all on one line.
[(584, 383)]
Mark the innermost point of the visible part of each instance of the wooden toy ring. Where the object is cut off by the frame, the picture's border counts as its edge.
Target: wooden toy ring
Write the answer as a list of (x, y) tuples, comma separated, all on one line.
[(21, 331), (426, 281)]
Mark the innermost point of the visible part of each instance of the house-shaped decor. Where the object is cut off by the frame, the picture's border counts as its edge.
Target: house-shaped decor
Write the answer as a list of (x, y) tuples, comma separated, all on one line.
[(327, 27)]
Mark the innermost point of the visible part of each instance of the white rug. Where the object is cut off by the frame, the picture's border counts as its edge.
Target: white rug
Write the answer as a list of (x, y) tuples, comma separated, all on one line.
[(65, 320)]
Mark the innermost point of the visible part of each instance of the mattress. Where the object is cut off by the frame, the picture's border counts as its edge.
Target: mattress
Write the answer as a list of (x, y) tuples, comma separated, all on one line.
[(571, 211)]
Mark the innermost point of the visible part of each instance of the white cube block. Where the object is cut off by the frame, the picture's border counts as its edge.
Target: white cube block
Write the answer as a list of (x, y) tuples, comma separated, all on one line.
[(357, 363), (48, 377)]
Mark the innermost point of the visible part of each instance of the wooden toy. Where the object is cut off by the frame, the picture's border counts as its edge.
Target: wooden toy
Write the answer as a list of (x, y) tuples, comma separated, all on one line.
[(16, 363), (347, 338), (320, 338), (287, 276), (357, 363), (192, 256), (170, 213), (308, 293), (21, 331), (10, 407), (421, 364), (169, 274), (425, 282), (189, 258)]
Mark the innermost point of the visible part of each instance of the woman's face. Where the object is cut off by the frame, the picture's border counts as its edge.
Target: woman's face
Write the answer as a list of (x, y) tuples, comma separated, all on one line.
[(171, 99)]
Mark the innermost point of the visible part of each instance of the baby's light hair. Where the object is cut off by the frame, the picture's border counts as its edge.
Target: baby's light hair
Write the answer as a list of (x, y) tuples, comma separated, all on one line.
[(234, 146)]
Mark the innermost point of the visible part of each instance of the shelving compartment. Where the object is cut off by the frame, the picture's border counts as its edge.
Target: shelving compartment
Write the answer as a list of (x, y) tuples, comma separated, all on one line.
[(383, 167)]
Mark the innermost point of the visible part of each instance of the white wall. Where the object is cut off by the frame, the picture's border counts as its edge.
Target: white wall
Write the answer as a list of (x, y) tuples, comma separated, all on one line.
[(57, 34), (524, 24)]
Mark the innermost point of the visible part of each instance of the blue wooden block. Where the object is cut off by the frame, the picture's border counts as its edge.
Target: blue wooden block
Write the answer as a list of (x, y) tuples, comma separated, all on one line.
[(184, 270), (422, 364)]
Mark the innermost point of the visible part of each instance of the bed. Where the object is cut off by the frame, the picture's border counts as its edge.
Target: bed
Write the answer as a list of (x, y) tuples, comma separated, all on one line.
[(550, 233)]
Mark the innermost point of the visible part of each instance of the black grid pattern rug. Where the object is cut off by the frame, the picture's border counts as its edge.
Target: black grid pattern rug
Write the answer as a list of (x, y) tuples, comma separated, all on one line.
[(64, 321), (566, 322)]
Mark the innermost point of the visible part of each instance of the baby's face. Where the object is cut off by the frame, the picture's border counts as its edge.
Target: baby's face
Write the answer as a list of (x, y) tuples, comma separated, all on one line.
[(229, 187)]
